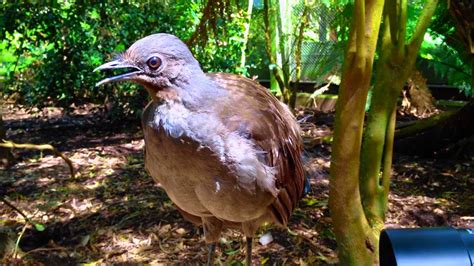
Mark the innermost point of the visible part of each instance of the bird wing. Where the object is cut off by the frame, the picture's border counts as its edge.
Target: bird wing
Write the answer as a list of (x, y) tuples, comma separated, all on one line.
[(269, 124)]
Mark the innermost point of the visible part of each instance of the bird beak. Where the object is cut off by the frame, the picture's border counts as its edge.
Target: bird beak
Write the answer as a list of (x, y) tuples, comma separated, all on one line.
[(118, 64)]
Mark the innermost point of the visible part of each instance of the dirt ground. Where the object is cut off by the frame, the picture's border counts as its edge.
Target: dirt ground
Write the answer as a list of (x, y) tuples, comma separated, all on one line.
[(112, 212)]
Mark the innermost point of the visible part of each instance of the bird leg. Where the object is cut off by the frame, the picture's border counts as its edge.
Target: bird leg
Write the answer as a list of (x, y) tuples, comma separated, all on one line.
[(210, 255), (212, 231), (249, 229), (248, 258)]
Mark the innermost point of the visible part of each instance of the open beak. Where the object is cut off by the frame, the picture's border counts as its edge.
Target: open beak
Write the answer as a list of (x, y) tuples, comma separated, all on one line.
[(118, 64)]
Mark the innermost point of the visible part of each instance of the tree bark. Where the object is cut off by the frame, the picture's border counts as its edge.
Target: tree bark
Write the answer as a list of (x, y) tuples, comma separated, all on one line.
[(393, 69), (246, 35), (356, 239), (299, 43), (271, 45), (277, 18), (360, 172)]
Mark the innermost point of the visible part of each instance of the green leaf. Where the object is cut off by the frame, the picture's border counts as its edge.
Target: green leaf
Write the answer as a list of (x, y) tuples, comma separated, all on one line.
[(120, 47), (314, 202), (94, 14), (231, 251), (39, 227)]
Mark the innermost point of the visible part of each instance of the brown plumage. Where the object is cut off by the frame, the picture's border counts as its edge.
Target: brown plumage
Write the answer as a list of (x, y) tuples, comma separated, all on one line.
[(226, 151)]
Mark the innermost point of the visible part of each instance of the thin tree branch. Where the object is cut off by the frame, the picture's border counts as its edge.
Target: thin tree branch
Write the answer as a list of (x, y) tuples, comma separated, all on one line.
[(299, 43), (402, 28), (387, 163), (388, 38), (246, 33), (421, 26), (360, 29), (266, 20), (390, 12), (6, 202), (10, 144), (274, 69)]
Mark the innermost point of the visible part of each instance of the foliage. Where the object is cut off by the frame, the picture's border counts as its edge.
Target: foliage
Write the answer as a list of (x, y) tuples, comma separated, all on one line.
[(278, 40), (48, 52), (222, 49), (324, 41), (57, 46), (441, 52), (445, 52), (302, 43), (256, 54), (448, 63)]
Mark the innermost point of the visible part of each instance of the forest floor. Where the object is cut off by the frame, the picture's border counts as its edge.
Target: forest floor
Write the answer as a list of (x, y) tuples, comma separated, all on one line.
[(112, 212)]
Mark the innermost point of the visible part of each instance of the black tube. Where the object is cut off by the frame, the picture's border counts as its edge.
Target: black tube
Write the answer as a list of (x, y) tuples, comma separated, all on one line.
[(443, 246)]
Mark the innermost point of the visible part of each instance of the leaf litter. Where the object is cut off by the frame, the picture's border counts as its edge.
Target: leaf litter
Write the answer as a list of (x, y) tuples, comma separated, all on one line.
[(112, 212)]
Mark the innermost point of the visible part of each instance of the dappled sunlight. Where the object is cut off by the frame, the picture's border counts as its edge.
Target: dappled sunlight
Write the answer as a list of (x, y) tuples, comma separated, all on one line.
[(416, 211), (113, 211), (385, 123), (443, 179)]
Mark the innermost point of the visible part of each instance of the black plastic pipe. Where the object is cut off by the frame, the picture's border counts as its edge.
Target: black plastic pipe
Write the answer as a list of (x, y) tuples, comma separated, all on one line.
[(444, 246)]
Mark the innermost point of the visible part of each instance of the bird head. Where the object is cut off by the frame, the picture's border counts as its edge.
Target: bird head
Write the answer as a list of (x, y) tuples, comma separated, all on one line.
[(156, 62)]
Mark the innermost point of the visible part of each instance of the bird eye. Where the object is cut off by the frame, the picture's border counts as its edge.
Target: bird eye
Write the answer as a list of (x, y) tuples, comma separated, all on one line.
[(154, 62)]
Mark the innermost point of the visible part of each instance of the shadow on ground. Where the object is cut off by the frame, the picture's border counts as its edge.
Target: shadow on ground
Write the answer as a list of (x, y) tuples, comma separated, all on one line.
[(112, 212)]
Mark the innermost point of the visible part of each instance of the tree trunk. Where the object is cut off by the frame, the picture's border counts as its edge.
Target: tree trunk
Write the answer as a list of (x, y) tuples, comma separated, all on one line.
[(299, 43), (277, 18), (356, 239), (395, 65), (284, 51), (271, 44), (472, 76), (246, 35), (360, 172)]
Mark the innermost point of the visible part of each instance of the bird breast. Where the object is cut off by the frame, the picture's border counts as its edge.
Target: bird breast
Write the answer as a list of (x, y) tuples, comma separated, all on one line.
[(206, 169)]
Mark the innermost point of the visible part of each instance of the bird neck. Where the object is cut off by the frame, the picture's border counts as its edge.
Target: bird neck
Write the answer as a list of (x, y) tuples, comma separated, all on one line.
[(195, 91)]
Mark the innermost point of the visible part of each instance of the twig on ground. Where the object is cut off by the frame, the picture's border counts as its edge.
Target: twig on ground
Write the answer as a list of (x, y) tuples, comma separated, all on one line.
[(17, 210), (10, 144), (17, 244), (45, 249)]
